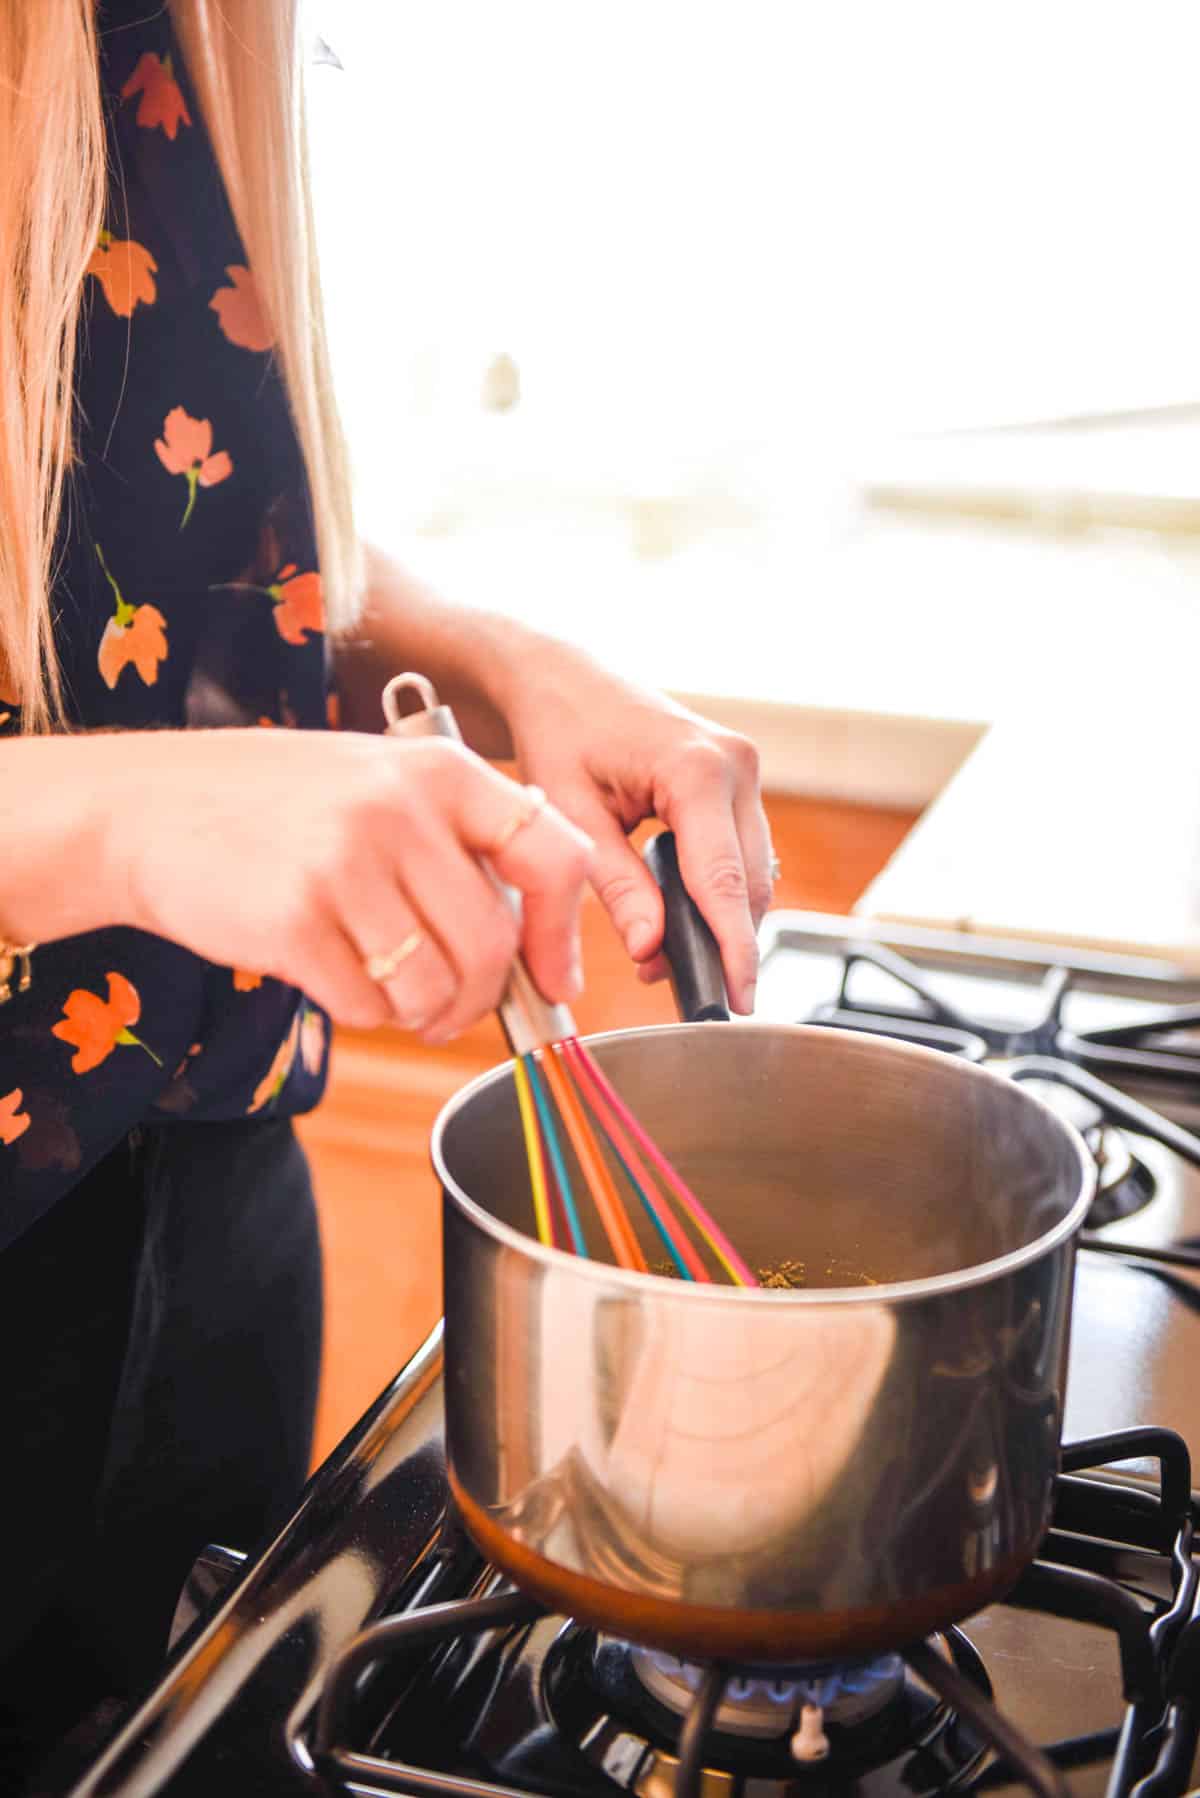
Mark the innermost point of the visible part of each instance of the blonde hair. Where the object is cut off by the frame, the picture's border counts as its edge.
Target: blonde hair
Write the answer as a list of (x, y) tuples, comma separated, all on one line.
[(244, 60)]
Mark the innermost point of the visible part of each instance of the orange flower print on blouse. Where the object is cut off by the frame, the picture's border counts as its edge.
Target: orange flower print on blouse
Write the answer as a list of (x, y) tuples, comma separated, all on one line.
[(275, 1078), (126, 271), (95, 1026), (299, 606), (136, 634), (161, 103), (13, 1121), (299, 602), (185, 448), (243, 981), (239, 311)]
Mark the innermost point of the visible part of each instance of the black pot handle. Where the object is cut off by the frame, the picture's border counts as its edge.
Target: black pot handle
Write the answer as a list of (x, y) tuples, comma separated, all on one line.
[(688, 944)]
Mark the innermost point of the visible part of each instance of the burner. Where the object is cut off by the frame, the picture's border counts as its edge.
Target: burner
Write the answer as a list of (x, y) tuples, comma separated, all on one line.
[(623, 1705), (798, 1702), (1124, 1182)]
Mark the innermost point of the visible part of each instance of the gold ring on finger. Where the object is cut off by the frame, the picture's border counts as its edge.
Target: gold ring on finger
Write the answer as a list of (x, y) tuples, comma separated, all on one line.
[(382, 967), (533, 799)]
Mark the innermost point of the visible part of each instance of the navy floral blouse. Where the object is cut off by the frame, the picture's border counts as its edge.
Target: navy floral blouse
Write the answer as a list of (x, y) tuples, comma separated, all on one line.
[(188, 596)]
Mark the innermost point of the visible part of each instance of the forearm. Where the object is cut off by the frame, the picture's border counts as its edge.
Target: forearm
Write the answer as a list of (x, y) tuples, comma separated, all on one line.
[(471, 657), (59, 799)]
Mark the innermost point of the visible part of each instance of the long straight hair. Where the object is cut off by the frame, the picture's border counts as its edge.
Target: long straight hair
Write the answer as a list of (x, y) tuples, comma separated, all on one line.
[(244, 60)]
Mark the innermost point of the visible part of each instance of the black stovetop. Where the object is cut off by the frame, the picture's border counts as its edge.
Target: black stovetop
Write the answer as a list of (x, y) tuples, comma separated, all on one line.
[(504, 1697)]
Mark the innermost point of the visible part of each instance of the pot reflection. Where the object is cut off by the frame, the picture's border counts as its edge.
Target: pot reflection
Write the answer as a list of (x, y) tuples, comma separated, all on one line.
[(711, 1431)]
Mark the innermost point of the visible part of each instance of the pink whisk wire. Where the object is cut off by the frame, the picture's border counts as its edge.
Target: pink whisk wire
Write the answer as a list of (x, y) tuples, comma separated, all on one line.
[(703, 1220), (636, 1167)]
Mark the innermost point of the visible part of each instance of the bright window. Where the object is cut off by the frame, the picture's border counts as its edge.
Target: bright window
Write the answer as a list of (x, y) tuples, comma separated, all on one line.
[(750, 263)]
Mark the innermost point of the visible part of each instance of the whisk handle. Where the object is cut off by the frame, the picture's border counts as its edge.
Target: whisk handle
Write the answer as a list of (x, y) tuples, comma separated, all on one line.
[(688, 944)]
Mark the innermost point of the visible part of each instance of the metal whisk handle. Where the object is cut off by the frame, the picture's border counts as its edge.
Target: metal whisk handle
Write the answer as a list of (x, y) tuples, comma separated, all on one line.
[(529, 1022)]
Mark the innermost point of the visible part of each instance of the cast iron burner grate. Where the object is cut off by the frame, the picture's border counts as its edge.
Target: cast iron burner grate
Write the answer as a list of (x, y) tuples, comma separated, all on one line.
[(1151, 1748), (1163, 1044), (1162, 1047)]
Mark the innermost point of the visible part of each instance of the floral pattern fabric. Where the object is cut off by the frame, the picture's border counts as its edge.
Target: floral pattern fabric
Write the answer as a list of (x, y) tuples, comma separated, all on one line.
[(188, 596)]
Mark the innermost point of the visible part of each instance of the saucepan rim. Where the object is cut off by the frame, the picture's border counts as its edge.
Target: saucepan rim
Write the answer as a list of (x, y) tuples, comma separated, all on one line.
[(980, 1273)]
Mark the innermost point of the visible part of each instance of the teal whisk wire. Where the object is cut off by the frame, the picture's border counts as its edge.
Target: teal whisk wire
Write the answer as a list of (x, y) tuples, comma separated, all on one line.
[(651, 1211), (554, 1149)]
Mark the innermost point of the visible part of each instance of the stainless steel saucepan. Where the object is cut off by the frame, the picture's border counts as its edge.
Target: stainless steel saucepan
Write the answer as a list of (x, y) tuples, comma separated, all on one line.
[(768, 1476)]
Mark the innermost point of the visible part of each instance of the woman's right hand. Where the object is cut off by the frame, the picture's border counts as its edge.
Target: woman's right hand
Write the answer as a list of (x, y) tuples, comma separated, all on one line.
[(301, 854)]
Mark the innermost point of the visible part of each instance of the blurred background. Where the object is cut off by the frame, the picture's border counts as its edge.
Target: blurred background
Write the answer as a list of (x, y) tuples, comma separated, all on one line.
[(841, 358), (835, 367)]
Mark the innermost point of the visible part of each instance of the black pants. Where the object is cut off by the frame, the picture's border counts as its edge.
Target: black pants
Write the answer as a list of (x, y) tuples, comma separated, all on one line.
[(160, 1334)]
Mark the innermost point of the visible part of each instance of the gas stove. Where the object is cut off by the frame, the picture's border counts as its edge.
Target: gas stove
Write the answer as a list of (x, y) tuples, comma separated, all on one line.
[(369, 1649)]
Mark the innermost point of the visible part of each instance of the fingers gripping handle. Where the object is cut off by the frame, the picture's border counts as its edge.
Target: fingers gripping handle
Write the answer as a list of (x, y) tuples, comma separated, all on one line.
[(528, 1021), (688, 944)]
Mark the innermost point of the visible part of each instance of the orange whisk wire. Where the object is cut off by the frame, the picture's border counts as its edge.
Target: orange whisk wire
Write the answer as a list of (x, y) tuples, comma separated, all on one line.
[(613, 1216), (707, 1225)]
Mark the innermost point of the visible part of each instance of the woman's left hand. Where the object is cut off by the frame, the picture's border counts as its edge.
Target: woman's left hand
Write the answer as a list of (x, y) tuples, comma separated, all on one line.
[(610, 754), (607, 753)]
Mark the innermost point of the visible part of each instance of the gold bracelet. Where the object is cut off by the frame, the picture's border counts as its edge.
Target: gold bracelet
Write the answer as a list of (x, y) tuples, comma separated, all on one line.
[(14, 958)]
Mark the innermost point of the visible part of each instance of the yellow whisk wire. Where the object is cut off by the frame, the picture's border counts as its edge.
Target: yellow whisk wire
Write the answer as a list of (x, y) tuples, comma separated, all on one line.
[(533, 1149)]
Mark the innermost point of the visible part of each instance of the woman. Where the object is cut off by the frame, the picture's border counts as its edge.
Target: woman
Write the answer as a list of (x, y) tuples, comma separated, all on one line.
[(198, 871)]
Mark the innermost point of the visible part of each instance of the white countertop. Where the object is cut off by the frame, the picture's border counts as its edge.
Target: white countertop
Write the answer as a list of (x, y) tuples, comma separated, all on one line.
[(869, 657), (1070, 830)]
